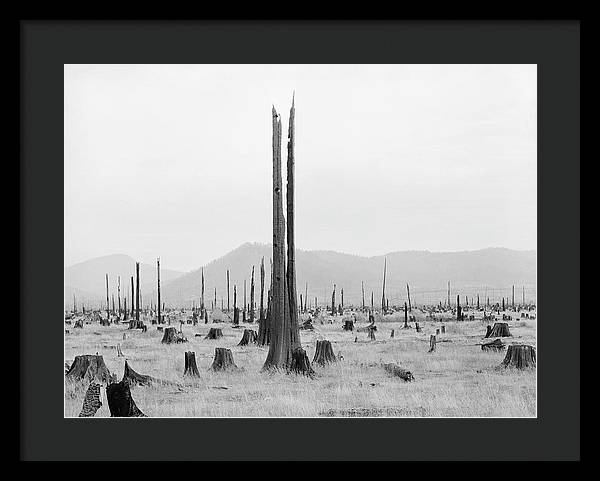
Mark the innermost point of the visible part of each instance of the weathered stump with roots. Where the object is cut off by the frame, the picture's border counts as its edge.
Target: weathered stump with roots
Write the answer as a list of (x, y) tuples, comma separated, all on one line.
[(520, 356), (172, 336), (396, 370), (324, 353), (300, 363), (89, 368), (495, 345), (78, 324), (249, 337), (214, 333), (432, 343), (135, 379), (500, 329), (223, 360), (120, 402), (190, 369), (91, 401)]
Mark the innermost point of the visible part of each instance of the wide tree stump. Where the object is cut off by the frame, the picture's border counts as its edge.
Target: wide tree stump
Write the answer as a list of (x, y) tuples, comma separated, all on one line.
[(190, 369), (214, 333), (89, 368), (120, 402), (500, 329), (135, 379), (396, 370), (172, 336), (432, 343), (133, 324), (300, 363), (78, 324), (91, 401), (249, 337), (324, 353), (520, 356), (223, 360), (495, 345), (348, 325)]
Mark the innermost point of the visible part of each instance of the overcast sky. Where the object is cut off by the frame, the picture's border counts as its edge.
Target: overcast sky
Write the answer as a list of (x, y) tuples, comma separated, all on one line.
[(175, 160)]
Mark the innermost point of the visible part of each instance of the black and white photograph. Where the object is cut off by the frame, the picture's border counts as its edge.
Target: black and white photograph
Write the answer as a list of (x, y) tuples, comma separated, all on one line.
[(300, 240)]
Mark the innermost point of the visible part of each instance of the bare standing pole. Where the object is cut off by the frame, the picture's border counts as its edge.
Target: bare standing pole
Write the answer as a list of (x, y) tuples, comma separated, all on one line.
[(158, 285), (132, 302), (137, 291), (227, 290), (362, 285), (107, 305), (119, 293), (383, 288), (408, 293)]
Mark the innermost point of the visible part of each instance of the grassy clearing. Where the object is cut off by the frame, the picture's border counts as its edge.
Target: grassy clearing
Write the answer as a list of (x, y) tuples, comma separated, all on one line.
[(457, 380)]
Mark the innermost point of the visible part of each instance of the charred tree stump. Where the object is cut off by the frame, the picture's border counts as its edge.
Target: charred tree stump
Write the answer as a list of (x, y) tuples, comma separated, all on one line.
[(89, 368), (418, 327), (437, 332), (172, 336), (397, 371), (307, 325), (223, 360), (443, 329), (135, 379), (500, 329), (488, 330), (190, 367), (392, 333), (91, 401), (214, 333), (432, 343), (324, 353), (300, 363), (520, 356), (120, 402), (79, 324), (495, 345), (249, 337), (348, 325)]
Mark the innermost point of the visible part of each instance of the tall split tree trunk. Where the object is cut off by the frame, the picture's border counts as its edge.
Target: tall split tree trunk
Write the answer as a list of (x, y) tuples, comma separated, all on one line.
[(158, 287), (448, 294), (291, 243), (333, 310), (408, 293), (305, 297), (458, 308), (119, 294), (227, 290)]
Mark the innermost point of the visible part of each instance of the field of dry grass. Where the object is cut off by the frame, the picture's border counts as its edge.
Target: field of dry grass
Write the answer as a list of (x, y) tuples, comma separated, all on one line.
[(458, 379)]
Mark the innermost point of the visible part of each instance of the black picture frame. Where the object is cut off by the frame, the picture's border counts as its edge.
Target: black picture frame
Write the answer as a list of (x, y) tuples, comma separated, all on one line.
[(45, 46)]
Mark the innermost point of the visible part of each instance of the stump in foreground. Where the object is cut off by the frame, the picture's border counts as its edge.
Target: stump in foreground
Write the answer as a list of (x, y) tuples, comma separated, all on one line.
[(214, 333), (120, 402), (495, 345), (520, 356), (300, 363), (190, 369), (89, 368), (223, 360), (432, 343), (500, 329), (396, 370), (249, 337), (172, 336), (324, 353), (91, 401), (135, 379)]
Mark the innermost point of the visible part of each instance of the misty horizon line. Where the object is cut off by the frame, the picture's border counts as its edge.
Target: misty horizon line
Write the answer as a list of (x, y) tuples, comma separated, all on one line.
[(267, 244)]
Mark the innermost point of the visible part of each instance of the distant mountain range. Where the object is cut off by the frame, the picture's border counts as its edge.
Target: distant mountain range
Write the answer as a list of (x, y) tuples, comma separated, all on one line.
[(87, 279), (488, 272)]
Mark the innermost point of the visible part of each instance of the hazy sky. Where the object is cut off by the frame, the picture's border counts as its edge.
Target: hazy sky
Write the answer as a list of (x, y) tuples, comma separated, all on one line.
[(175, 160)]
